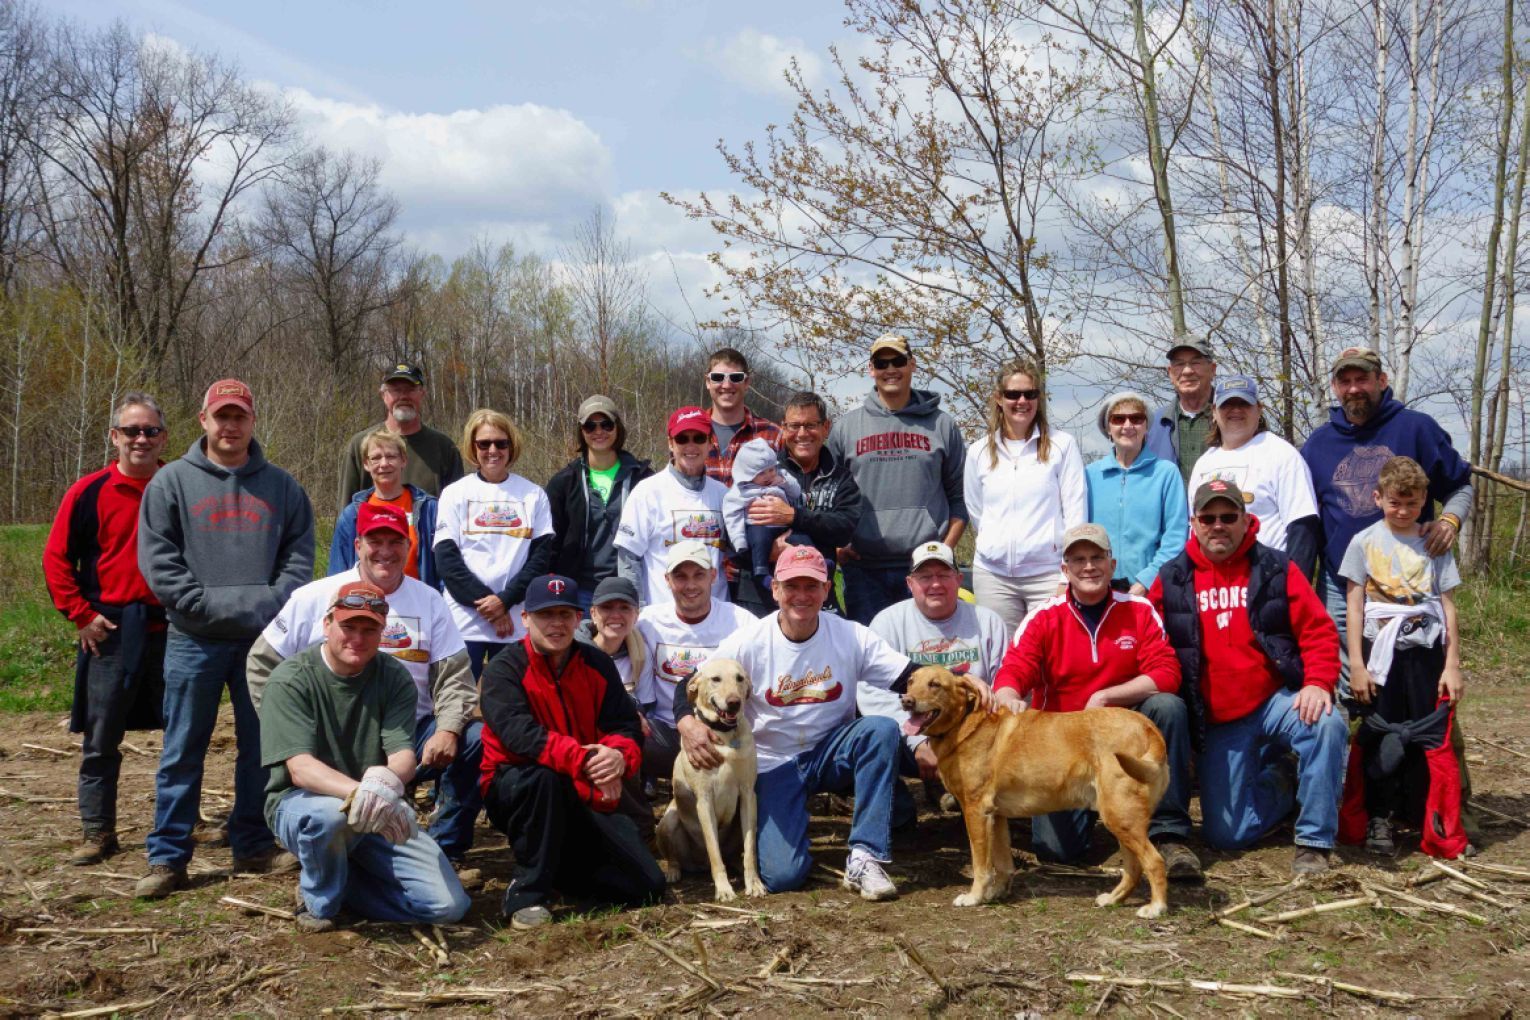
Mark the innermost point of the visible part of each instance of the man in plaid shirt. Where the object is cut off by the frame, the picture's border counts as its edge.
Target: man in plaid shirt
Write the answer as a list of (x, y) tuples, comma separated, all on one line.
[(733, 426)]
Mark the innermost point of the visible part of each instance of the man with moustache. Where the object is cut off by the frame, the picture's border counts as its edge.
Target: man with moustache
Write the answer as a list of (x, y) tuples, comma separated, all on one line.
[(434, 461)]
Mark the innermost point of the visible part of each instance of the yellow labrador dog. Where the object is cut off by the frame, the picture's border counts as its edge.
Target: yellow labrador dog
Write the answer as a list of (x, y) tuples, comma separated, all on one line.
[(712, 808), (1016, 764)]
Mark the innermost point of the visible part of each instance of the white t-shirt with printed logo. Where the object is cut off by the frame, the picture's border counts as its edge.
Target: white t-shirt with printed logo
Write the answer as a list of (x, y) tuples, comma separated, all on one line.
[(1276, 482), (676, 648), (659, 512), (804, 691), (419, 631), (493, 524)]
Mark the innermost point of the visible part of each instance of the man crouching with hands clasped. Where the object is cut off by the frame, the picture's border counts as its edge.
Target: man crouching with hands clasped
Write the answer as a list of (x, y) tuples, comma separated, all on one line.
[(337, 732)]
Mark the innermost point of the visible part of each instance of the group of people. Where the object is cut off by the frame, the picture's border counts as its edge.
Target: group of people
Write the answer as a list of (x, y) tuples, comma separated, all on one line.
[(523, 650)]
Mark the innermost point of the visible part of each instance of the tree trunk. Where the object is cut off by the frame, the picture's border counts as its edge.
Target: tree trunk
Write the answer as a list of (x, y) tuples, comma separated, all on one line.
[(1158, 158), (1378, 247), (1272, 70)]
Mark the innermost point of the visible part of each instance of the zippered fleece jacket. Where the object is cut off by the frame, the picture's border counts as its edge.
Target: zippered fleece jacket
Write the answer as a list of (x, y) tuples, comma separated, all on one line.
[(1055, 659), (908, 465), (223, 549), (535, 716)]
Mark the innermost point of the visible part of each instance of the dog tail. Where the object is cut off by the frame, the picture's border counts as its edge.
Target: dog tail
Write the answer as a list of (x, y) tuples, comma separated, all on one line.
[(1144, 770)]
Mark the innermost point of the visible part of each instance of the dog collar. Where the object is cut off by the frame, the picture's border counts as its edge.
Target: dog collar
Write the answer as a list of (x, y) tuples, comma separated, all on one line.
[(721, 727)]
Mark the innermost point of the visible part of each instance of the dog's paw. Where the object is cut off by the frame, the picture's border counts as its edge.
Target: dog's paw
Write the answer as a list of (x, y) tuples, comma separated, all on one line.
[(1105, 899), (671, 872), (967, 899), (725, 894), (753, 887), (1150, 911)]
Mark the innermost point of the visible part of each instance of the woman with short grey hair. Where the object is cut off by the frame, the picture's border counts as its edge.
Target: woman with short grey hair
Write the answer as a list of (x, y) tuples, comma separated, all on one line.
[(1137, 497)]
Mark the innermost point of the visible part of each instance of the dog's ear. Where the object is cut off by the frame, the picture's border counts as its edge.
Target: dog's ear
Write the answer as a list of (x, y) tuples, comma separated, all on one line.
[(693, 687)]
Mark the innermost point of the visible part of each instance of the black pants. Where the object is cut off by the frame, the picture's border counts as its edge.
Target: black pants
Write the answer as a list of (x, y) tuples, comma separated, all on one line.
[(109, 708), (1411, 692), (561, 844)]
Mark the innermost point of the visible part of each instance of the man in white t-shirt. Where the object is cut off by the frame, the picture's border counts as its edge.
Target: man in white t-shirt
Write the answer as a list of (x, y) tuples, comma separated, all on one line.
[(421, 635), (807, 667), (678, 637)]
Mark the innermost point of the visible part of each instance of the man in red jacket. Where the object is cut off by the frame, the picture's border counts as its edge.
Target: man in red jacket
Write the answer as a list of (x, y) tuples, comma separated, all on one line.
[(560, 732), (91, 566), (1259, 657), (1092, 647)]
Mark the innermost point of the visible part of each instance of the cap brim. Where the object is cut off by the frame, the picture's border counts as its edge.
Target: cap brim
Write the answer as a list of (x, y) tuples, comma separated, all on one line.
[(390, 526), (341, 614), (223, 402)]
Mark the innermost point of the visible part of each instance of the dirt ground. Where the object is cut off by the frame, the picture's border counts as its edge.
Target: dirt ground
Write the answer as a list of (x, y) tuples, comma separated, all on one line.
[(810, 953)]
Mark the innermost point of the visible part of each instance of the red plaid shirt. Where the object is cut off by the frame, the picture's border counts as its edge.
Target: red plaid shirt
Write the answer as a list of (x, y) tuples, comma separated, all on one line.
[(720, 461)]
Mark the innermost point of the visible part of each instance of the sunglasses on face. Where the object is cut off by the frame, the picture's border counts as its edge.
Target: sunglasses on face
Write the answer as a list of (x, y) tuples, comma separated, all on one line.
[(1131, 418), (134, 431), (356, 600), (692, 439), (485, 445), (598, 425), (896, 361), (732, 377), (1224, 519), (1020, 394)]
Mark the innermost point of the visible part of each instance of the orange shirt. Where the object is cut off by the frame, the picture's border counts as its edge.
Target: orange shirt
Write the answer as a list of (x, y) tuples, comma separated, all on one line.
[(405, 502)]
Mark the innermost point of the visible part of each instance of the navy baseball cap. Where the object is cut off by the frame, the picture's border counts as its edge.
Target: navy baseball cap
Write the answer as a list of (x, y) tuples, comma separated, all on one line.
[(551, 591), (1237, 387)]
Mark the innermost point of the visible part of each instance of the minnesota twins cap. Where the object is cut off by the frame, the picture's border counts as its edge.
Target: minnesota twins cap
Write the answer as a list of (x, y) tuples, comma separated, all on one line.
[(551, 591)]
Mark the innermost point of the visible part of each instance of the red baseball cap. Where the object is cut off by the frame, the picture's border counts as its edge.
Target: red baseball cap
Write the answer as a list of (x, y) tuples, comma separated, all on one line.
[(689, 419), (358, 598), (373, 516), (227, 392), (801, 561)]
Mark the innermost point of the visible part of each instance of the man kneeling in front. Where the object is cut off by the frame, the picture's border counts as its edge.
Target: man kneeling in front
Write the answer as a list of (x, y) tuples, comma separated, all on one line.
[(337, 733)]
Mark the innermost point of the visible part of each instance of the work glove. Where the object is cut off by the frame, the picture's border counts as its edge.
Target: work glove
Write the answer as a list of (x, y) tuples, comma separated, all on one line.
[(377, 805)]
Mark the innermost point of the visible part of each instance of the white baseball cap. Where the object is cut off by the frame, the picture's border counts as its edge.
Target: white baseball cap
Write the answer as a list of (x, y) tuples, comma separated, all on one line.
[(689, 550)]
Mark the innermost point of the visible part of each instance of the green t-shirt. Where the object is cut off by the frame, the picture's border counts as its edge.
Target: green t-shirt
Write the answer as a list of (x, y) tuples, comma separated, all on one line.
[(602, 480), (1194, 429), (348, 723)]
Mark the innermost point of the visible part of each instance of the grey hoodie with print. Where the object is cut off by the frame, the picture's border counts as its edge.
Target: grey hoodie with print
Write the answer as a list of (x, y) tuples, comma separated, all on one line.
[(908, 466), (222, 549)]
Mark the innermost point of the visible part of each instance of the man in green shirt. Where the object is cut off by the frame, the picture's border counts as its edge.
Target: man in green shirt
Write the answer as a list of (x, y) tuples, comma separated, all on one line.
[(337, 733), (1177, 431), (434, 461)]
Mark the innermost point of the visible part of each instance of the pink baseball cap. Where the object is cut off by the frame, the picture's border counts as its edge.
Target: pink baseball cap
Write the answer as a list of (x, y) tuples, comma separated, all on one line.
[(801, 561), (689, 419)]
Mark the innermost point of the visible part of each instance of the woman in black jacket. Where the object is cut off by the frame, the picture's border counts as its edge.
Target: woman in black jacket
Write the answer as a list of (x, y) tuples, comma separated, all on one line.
[(587, 496)]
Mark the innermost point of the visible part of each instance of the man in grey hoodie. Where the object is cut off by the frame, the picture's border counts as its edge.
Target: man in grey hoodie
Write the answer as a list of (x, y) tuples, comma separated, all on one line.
[(906, 455), (224, 538)]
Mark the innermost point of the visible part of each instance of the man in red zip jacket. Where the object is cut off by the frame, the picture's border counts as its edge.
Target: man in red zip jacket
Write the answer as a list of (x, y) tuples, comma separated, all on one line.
[(1092, 647), (1259, 657), (91, 566), (560, 732)]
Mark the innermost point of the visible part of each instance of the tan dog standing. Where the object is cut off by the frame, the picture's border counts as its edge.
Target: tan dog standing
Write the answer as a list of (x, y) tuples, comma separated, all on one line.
[(1009, 765), (712, 808)]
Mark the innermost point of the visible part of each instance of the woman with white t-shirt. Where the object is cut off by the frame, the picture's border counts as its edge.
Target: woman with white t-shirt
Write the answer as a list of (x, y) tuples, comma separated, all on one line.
[(1275, 480), (494, 534), (673, 505), (1024, 487)]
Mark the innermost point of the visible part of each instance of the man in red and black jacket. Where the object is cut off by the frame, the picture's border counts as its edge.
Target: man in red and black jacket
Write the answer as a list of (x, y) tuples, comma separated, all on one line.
[(560, 733), (91, 566)]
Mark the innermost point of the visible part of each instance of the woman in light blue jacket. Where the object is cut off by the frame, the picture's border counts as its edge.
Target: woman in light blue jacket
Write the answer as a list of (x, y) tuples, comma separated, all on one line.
[(1139, 498)]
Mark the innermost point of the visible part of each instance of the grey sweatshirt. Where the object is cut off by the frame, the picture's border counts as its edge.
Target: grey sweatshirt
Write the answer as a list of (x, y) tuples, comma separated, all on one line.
[(223, 549), (908, 465)]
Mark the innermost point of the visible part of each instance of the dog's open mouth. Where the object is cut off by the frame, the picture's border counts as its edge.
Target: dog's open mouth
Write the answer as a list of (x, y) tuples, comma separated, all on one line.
[(726, 714), (917, 721)]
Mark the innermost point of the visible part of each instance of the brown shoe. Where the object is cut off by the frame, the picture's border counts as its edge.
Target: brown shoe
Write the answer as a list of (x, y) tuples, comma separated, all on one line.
[(161, 881), (1309, 860), (95, 848), (470, 877), (273, 861), (1180, 862)]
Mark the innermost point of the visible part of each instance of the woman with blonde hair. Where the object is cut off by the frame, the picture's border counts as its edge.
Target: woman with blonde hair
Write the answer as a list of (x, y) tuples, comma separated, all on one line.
[(1024, 487), (494, 534), (385, 456)]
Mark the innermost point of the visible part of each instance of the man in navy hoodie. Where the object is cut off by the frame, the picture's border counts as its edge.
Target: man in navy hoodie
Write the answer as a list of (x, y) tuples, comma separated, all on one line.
[(223, 539)]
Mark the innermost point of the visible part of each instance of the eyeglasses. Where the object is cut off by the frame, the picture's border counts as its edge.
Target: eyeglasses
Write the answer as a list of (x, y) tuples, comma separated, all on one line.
[(1020, 394), (598, 425), (1180, 366), (134, 431), (1224, 519), (732, 377), (896, 361), (692, 439), (384, 456), (356, 600), (1133, 418), (485, 445), (801, 426)]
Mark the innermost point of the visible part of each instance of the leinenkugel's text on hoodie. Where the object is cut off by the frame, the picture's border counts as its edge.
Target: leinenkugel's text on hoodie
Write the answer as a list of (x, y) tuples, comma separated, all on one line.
[(908, 465), (223, 548)]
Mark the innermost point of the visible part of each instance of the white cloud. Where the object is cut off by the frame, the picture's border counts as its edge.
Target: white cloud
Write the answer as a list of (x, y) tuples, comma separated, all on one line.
[(757, 61)]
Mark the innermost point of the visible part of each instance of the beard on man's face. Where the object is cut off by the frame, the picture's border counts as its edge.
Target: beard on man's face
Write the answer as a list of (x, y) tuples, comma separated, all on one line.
[(1359, 406), (402, 413)]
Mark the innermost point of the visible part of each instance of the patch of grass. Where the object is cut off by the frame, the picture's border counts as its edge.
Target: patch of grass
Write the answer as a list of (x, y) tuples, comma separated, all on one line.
[(1494, 611)]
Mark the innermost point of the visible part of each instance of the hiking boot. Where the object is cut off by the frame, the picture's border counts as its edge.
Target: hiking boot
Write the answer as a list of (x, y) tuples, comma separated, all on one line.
[(1180, 862), (1379, 839), (470, 877), (161, 881), (864, 875), (1309, 860), (528, 918), (273, 860), (308, 924), (95, 848)]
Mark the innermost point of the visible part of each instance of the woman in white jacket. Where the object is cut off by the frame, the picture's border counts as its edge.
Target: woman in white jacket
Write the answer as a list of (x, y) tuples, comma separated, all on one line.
[(1025, 487)]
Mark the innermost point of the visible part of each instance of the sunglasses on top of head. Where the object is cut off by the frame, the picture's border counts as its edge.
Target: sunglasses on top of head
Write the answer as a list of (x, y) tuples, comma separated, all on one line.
[(356, 600), (598, 425), (1227, 519), (1021, 394), (492, 444), (134, 431), (732, 377)]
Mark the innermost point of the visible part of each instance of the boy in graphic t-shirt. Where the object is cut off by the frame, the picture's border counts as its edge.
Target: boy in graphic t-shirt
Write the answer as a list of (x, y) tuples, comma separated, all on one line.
[(1405, 667)]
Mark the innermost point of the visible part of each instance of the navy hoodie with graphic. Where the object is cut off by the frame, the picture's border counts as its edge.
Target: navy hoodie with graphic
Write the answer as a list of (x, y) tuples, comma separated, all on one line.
[(1345, 460), (223, 548)]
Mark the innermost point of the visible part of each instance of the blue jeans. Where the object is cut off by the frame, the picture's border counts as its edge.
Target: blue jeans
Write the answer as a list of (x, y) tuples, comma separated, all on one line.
[(1333, 588), (481, 653), (1066, 835), (411, 883), (861, 756), (196, 671), (457, 798), (1245, 785), (108, 706), (869, 590)]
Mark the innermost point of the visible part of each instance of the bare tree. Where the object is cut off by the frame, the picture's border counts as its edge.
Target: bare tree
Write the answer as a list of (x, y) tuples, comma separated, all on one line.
[(22, 66), (609, 292)]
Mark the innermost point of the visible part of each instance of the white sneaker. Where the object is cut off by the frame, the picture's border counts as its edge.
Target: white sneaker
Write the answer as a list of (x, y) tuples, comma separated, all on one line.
[(864, 875)]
